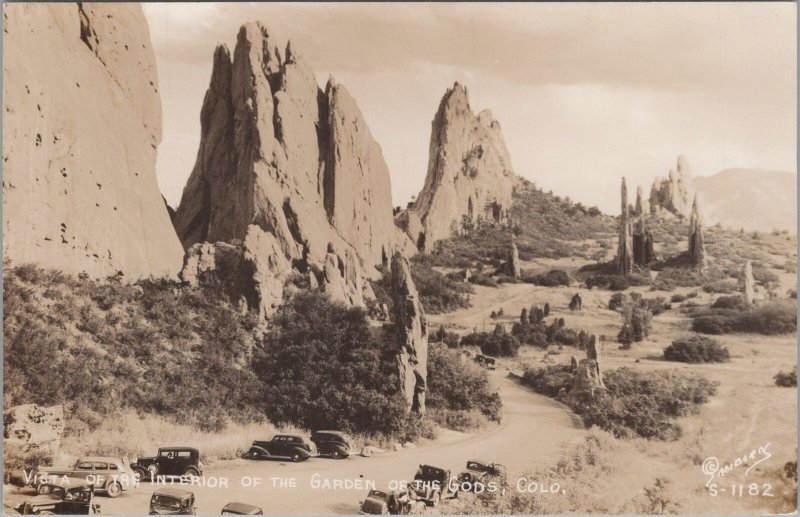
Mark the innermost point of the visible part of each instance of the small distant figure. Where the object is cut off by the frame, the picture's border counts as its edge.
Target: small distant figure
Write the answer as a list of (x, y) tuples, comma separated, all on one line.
[(576, 303)]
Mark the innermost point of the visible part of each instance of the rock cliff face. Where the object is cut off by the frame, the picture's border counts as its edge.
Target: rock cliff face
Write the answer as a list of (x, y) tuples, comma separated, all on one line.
[(412, 332), (295, 161), (672, 194), (81, 125), (469, 170)]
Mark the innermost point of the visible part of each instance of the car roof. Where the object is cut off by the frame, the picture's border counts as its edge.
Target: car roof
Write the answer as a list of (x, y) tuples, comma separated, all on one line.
[(289, 435), (179, 449), (173, 492), (478, 461), (107, 459), (335, 433), (242, 508)]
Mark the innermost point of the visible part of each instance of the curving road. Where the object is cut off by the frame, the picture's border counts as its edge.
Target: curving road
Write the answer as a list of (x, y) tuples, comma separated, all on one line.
[(534, 431)]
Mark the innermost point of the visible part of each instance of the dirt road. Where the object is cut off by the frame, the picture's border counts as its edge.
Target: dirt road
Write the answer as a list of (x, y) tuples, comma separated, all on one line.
[(534, 431)]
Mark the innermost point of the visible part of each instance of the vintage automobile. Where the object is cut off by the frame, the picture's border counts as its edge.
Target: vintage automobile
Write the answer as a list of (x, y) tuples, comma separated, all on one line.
[(334, 444), (480, 472), (486, 361), (241, 509), (170, 461), (172, 501), (105, 473), (430, 484), (67, 496), (389, 502), (281, 446)]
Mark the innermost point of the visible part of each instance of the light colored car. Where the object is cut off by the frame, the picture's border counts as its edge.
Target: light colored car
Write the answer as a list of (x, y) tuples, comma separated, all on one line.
[(106, 473)]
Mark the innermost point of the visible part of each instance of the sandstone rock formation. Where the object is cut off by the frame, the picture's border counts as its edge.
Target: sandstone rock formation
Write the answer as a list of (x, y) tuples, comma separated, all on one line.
[(697, 253), (641, 207), (81, 126), (298, 162), (624, 261), (749, 290), (31, 427), (411, 330), (469, 170), (643, 249), (588, 378), (251, 271), (672, 194), (512, 267)]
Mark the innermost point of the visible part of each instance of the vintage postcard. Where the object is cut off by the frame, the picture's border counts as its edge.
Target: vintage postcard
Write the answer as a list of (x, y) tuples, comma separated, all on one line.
[(400, 258)]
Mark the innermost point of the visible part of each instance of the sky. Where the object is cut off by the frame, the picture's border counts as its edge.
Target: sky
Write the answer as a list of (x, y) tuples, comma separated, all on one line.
[(585, 93)]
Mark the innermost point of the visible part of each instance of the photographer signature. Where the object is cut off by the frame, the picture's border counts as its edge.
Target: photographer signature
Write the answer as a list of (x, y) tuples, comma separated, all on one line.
[(711, 466)]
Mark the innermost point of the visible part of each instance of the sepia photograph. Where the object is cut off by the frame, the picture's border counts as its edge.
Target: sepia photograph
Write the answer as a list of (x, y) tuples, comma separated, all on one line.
[(447, 258)]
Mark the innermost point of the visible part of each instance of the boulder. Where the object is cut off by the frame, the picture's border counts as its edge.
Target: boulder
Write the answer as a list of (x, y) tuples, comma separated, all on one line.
[(469, 176), (30, 427), (397, 447), (81, 126), (369, 450), (411, 331)]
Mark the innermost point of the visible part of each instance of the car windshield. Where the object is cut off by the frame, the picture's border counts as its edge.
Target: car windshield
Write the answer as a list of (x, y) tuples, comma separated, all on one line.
[(165, 501), (474, 465)]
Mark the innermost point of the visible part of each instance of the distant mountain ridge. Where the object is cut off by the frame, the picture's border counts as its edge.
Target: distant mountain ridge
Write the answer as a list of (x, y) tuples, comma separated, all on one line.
[(752, 199)]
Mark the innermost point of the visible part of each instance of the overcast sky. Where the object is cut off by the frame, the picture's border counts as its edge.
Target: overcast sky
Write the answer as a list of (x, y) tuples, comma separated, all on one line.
[(585, 93)]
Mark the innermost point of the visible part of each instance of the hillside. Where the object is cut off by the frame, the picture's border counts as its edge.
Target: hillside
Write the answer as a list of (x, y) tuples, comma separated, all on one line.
[(752, 199)]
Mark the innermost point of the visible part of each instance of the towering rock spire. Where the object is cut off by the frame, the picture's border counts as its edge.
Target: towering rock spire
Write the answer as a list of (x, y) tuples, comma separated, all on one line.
[(412, 332), (671, 195), (279, 154), (625, 244), (749, 284), (639, 209), (469, 170), (697, 252)]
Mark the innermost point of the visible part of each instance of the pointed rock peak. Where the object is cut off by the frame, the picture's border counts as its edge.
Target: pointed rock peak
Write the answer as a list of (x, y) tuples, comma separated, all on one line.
[(624, 196), (455, 97), (252, 32), (331, 84), (292, 56), (683, 166)]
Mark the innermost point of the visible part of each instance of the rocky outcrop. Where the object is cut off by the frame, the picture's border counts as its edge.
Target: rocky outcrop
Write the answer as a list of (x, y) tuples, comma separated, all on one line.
[(588, 378), (641, 207), (643, 248), (512, 267), (469, 170), (295, 161), (81, 126), (252, 271), (697, 251), (624, 260), (29, 427), (749, 289), (672, 194), (412, 333)]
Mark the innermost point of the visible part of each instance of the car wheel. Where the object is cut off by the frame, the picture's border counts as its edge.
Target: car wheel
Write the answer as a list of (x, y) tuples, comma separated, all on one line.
[(191, 472), (152, 469), (296, 457), (254, 455), (336, 454), (113, 489), (140, 473), (437, 497)]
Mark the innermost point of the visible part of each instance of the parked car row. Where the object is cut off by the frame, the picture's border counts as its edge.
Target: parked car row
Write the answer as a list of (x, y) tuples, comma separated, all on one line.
[(431, 485), (333, 444)]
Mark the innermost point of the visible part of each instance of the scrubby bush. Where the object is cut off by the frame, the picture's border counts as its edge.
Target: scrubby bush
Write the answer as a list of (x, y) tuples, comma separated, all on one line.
[(696, 349), (787, 379), (497, 345), (633, 403), (777, 317), (616, 301), (440, 335), (456, 384), (438, 293), (553, 278), (322, 368), (677, 298), (728, 302)]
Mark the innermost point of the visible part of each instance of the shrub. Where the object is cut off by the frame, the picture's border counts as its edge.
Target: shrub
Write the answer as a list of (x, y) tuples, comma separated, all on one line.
[(634, 403), (696, 349), (451, 339), (503, 345), (777, 317), (616, 301), (322, 367), (438, 293), (553, 278), (728, 302), (457, 384), (786, 379)]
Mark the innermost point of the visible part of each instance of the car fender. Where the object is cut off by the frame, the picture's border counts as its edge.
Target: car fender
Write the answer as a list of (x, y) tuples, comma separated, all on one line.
[(260, 450), (302, 452)]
